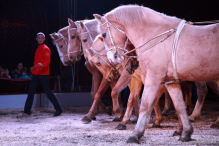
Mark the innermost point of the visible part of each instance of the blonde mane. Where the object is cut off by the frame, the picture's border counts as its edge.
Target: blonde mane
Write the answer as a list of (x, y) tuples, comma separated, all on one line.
[(135, 14)]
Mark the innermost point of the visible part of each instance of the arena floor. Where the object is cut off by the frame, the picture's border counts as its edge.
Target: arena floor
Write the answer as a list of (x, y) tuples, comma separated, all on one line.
[(44, 129)]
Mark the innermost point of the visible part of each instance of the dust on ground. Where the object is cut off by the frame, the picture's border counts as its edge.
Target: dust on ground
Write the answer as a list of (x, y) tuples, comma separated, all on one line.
[(41, 128)]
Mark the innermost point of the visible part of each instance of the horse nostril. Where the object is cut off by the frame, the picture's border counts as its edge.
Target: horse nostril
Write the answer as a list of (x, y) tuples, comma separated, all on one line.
[(110, 79), (66, 62), (71, 58)]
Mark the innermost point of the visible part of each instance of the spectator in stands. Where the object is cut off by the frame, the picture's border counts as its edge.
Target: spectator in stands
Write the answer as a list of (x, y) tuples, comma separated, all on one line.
[(4, 73), (17, 72), (30, 72), (24, 74)]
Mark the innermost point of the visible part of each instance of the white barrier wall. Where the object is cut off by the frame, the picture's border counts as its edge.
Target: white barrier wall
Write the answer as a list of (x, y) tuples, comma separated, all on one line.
[(40, 100)]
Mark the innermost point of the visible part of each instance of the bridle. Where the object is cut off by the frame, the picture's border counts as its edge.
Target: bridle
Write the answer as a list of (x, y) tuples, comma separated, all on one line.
[(101, 57), (64, 38), (111, 38), (96, 53), (80, 50), (167, 33)]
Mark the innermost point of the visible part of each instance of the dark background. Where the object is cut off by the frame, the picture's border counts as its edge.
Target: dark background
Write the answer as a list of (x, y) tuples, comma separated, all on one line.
[(20, 20)]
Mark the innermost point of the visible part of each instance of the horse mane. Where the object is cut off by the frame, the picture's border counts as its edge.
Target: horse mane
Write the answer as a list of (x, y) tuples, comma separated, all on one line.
[(63, 29), (135, 14)]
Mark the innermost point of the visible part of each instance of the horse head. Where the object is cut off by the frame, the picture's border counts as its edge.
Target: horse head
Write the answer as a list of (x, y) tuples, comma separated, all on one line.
[(60, 41), (74, 46), (114, 38), (99, 59)]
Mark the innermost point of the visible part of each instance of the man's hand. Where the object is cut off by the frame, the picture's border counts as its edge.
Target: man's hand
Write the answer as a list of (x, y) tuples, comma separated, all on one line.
[(40, 65)]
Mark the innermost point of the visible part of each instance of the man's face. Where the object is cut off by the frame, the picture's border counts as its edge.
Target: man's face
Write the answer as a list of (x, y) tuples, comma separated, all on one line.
[(40, 39)]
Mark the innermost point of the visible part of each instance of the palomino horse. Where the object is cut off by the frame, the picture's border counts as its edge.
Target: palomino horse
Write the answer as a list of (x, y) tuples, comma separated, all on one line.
[(99, 59), (60, 39), (159, 60)]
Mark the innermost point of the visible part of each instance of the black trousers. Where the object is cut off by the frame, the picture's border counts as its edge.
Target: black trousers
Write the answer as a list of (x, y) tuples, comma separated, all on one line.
[(44, 81)]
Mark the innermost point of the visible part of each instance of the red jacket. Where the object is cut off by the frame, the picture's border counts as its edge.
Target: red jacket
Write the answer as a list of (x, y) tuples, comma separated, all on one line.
[(42, 55)]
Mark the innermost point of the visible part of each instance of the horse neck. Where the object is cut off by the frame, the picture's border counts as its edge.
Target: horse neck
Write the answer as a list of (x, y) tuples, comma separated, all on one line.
[(64, 31), (153, 23)]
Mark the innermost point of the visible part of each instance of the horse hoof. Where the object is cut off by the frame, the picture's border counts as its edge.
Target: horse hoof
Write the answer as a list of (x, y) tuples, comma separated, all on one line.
[(185, 139), (86, 120), (164, 114), (215, 126), (133, 139), (116, 119), (121, 127), (94, 118), (110, 111), (176, 133), (155, 126)]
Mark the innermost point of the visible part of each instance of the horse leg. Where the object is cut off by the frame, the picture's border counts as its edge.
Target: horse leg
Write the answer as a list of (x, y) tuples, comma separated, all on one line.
[(202, 91), (186, 128), (123, 81), (151, 94), (167, 104), (215, 124), (96, 83), (187, 94), (102, 88), (135, 89), (159, 116), (214, 86)]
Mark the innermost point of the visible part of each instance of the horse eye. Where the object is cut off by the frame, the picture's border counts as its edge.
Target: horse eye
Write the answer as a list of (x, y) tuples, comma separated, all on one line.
[(72, 37), (98, 63), (104, 35), (61, 46), (85, 40)]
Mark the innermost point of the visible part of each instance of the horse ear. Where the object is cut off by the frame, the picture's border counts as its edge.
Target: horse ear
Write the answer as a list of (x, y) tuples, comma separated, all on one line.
[(99, 18), (71, 23), (54, 36), (82, 25)]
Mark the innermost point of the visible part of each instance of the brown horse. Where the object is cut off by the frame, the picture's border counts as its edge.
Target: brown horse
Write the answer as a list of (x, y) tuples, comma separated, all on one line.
[(152, 35), (60, 40)]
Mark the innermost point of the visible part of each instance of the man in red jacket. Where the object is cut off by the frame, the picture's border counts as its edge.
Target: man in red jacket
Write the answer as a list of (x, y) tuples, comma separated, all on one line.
[(41, 75)]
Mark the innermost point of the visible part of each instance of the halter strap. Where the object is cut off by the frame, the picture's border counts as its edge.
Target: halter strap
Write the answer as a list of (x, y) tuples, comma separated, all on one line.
[(64, 38), (100, 56), (80, 50), (111, 38)]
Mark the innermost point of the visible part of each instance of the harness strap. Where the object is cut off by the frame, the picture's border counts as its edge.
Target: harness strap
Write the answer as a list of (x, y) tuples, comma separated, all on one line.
[(174, 47)]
